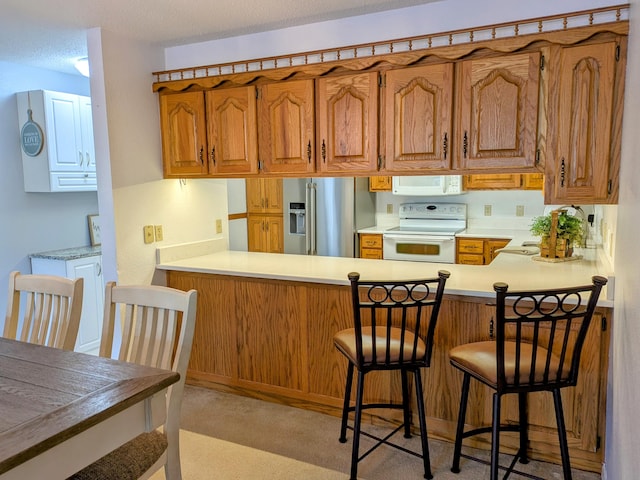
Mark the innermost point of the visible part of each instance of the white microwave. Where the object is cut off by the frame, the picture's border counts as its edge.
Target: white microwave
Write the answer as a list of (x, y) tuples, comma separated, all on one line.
[(428, 185)]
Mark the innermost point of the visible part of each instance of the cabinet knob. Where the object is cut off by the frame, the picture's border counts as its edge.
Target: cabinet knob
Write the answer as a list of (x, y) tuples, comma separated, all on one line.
[(213, 155)]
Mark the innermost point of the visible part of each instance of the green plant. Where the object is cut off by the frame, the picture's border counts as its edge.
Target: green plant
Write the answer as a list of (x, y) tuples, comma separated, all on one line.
[(569, 227)]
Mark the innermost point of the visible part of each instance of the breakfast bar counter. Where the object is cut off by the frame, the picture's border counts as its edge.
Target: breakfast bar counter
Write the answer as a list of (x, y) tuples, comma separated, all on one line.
[(518, 271), (265, 326)]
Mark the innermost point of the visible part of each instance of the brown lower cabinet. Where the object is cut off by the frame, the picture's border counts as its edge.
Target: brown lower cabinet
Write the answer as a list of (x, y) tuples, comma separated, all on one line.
[(272, 339)]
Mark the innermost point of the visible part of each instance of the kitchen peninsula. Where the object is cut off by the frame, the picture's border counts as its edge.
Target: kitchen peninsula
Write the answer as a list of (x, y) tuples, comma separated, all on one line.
[(266, 321)]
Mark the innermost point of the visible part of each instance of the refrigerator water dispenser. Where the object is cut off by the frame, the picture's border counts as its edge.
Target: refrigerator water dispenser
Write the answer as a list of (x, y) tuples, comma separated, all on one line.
[(297, 218)]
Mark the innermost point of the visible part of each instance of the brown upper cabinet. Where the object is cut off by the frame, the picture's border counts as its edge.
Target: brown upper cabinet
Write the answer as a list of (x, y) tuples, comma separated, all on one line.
[(232, 136), (286, 127), (497, 112), (347, 116), (503, 181), (417, 118), (184, 136), (209, 133), (585, 116)]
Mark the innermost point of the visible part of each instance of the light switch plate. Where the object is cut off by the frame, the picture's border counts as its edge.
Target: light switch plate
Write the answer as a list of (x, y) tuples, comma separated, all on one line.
[(159, 233), (148, 233), (218, 225)]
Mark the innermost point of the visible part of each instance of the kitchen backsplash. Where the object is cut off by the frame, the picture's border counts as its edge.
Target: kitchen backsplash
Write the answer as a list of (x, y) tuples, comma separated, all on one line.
[(503, 206)]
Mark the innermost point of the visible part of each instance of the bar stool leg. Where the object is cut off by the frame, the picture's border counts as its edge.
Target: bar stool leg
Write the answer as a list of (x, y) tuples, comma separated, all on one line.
[(423, 424), (347, 401), (495, 437), (562, 435), (406, 404), (524, 427), (356, 426), (462, 412)]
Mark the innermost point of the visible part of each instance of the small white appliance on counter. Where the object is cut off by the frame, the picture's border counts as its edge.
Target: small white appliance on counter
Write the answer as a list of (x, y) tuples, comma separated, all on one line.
[(426, 232), (427, 185)]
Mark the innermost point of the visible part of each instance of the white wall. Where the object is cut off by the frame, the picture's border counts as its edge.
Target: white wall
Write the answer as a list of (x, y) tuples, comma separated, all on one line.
[(34, 222), (623, 393), (133, 191)]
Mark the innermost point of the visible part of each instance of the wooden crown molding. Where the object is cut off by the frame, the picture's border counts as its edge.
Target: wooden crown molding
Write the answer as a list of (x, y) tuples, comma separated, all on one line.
[(564, 29)]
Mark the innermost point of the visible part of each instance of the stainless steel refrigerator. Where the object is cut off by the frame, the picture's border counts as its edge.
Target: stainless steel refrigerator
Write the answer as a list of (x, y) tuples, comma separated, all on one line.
[(323, 215)]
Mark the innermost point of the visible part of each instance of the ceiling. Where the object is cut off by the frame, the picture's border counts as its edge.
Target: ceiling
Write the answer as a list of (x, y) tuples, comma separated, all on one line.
[(51, 33)]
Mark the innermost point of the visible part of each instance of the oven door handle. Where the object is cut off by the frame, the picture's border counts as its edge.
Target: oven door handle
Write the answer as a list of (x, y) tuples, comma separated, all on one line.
[(418, 238)]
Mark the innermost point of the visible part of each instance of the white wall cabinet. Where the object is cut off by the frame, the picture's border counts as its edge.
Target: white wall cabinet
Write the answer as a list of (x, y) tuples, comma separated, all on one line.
[(74, 263), (66, 162)]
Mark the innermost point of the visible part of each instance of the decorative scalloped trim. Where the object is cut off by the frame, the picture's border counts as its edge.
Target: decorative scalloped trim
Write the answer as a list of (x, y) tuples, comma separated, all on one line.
[(503, 38)]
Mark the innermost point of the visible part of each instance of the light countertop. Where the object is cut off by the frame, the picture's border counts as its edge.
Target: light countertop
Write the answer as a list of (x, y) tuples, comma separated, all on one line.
[(69, 253), (518, 271)]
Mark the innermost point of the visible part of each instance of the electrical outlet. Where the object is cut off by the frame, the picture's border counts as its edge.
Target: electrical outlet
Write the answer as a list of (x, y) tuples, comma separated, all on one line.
[(148, 233), (218, 225), (487, 210), (519, 210), (390, 208), (159, 233)]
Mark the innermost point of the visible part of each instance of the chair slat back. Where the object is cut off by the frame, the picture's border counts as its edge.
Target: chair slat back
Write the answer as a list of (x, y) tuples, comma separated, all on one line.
[(542, 332), (407, 307), (157, 324), (44, 309)]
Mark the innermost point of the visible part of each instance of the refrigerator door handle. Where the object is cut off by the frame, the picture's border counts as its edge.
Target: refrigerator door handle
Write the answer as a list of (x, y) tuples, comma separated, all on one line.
[(311, 219)]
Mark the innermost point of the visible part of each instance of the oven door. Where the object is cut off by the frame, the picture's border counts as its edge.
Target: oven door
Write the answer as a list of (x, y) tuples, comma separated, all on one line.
[(419, 247)]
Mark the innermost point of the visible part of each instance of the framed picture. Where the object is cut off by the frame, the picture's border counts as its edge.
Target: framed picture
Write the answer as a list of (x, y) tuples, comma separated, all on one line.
[(94, 229)]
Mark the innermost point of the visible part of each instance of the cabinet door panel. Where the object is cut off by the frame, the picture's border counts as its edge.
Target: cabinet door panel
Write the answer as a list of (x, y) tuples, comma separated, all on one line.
[(232, 130), (348, 123), (286, 126), (585, 111), (86, 123), (182, 120), (65, 131), (498, 112), (417, 104)]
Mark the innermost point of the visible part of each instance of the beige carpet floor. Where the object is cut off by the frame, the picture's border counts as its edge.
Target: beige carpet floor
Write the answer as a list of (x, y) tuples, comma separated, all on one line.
[(229, 437)]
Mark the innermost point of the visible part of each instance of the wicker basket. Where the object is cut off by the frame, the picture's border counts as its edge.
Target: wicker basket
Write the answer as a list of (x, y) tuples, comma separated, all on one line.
[(552, 246)]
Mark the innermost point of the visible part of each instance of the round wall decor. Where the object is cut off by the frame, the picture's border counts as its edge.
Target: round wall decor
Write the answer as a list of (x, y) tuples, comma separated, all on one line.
[(31, 137)]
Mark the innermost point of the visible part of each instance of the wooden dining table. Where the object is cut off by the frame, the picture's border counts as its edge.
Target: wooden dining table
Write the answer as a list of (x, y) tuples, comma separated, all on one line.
[(60, 411)]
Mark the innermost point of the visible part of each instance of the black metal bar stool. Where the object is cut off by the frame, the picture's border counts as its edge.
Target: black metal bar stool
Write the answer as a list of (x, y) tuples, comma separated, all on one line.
[(539, 338), (394, 324)]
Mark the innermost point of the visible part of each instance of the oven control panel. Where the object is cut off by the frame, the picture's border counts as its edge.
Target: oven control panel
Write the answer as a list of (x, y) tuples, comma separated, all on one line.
[(452, 211)]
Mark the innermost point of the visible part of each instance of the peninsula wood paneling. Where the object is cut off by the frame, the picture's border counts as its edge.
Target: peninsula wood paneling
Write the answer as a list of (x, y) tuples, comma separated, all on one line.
[(213, 350), (273, 339)]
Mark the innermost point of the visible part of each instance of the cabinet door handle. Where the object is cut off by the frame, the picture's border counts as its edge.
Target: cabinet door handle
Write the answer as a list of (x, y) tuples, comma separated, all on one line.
[(213, 155), (80, 158), (562, 170), (465, 141), (444, 146), (201, 155), (324, 151), (99, 267), (309, 151), (88, 158)]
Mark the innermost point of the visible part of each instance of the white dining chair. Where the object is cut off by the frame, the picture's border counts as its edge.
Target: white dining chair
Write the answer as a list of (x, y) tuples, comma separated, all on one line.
[(44, 309), (157, 330)]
